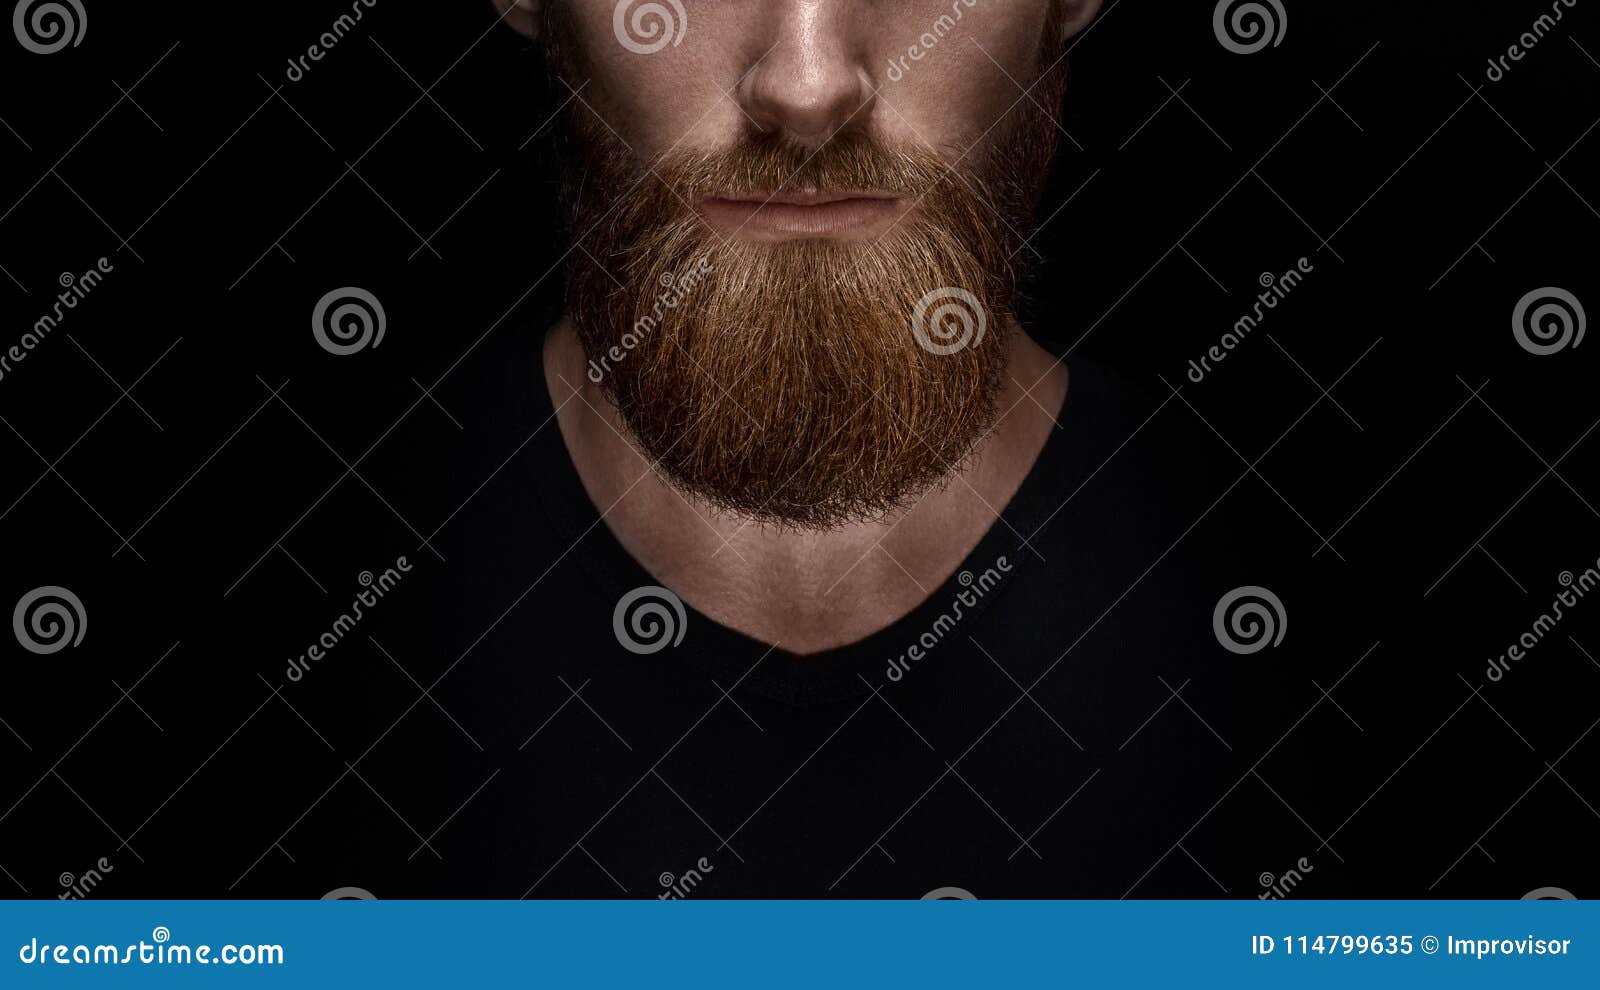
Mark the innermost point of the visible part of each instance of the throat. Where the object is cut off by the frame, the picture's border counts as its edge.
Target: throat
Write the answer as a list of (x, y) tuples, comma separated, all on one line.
[(804, 591)]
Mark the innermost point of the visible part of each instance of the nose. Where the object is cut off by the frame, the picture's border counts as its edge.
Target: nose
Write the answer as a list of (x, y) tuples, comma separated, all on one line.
[(812, 82)]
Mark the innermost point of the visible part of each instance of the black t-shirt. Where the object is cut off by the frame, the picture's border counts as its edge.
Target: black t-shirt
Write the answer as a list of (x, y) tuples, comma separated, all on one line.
[(1060, 718)]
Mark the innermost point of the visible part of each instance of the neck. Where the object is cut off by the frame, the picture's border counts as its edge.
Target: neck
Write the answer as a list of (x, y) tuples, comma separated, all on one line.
[(804, 590)]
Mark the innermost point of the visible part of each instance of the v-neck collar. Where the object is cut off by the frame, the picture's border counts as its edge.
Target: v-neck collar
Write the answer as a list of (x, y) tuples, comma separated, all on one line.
[(844, 672)]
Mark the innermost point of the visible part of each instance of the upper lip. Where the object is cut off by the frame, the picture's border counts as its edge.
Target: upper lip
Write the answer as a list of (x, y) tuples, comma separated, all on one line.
[(808, 197)]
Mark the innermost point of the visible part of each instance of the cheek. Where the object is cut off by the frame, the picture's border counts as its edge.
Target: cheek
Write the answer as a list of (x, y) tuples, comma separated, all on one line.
[(950, 93), (655, 100), (943, 85)]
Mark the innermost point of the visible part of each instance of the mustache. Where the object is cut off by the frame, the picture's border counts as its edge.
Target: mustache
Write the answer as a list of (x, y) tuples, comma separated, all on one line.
[(768, 165)]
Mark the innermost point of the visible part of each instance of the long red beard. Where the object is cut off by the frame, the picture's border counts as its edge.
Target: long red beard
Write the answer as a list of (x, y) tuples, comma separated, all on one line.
[(807, 383)]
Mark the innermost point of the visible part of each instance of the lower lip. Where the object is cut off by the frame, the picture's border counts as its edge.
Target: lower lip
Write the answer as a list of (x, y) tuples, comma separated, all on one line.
[(853, 216)]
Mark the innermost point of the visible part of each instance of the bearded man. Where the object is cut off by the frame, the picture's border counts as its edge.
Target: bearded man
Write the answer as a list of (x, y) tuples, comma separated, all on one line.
[(790, 564)]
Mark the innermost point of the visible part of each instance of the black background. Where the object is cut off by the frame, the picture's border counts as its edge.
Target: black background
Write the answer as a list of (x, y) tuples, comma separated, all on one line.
[(413, 161)]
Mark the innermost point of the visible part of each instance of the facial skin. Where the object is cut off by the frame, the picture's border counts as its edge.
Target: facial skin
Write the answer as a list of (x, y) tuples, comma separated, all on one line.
[(827, 163), (812, 68)]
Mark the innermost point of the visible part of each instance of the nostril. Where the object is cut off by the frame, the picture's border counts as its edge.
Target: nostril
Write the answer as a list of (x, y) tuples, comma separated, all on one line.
[(807, 93)]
